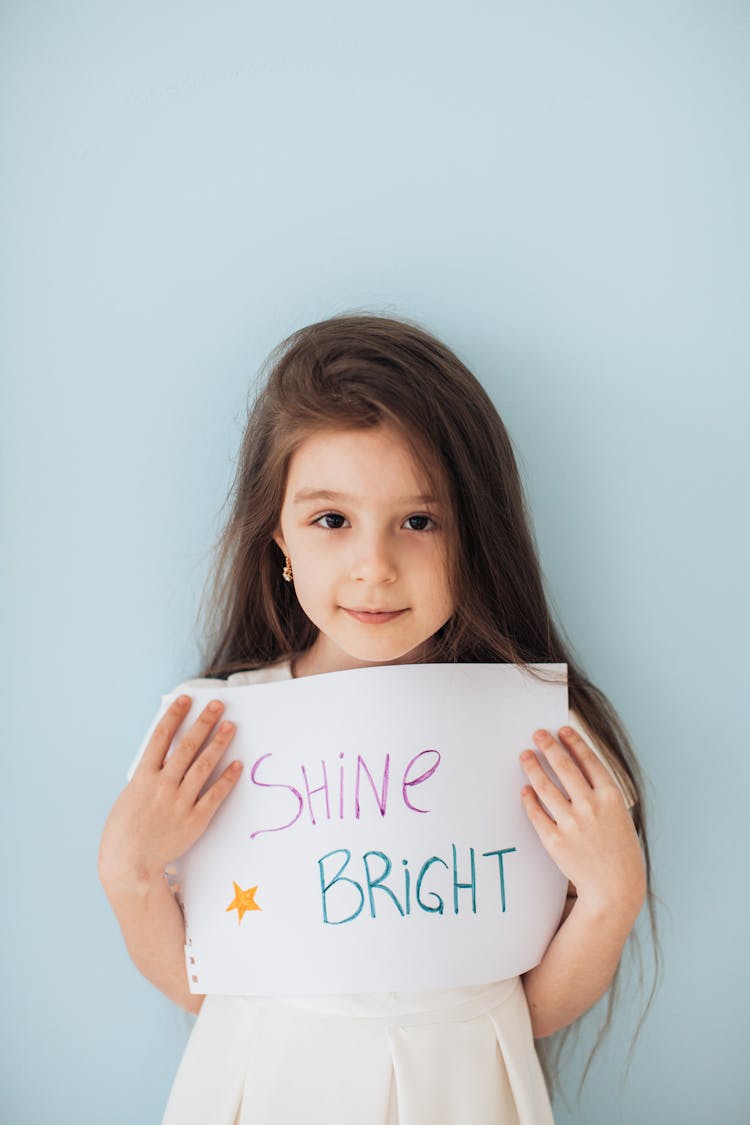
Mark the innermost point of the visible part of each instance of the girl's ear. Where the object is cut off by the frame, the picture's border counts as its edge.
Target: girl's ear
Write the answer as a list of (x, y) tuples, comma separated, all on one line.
[(278, 539)]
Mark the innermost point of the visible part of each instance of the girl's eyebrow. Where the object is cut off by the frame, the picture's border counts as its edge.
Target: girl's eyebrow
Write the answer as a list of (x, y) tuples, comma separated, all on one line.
[(306, 494)]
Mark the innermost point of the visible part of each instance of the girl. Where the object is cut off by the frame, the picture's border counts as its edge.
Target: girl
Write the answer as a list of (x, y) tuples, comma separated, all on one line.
[(378, 518)]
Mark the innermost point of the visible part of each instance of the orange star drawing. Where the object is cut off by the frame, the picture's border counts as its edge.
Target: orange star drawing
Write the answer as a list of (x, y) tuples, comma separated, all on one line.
[(243, 900)]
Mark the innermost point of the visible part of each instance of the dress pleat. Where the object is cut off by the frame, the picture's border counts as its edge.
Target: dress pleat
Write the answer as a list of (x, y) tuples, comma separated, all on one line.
[(451, 1057), (209, 1083), (317, 1072), (446, 1072)]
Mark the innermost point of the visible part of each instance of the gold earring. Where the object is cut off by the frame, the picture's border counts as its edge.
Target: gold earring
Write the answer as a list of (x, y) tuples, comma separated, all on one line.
[(287, 571)]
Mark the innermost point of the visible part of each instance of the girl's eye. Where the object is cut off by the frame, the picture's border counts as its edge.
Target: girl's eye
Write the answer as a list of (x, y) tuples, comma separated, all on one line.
[(329, 516), (337, 527), (429, 520)]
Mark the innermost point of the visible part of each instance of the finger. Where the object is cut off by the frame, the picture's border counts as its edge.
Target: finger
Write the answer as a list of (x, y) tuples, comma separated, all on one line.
[(203, 766), (597, 774), (542, 822), (163, 733), (219, 791), (564, 765), (181, 758), (545, 789)]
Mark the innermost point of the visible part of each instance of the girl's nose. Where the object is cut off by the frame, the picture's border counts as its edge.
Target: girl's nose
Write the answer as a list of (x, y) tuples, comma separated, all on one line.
[(373, 561)]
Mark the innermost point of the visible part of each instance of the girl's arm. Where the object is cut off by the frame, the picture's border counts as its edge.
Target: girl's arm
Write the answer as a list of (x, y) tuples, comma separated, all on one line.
[(591, 837), (153, 928), (156, 818), (579, 964)]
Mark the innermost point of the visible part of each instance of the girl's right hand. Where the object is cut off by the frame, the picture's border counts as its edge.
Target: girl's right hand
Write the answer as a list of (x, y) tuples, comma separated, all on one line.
[(159, 814)]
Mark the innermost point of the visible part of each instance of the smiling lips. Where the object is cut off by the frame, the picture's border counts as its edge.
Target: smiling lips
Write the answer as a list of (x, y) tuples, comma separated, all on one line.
[(373, 617)]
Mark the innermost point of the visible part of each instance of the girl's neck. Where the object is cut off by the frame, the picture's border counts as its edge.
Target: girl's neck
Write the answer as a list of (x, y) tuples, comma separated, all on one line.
[(313, 661)]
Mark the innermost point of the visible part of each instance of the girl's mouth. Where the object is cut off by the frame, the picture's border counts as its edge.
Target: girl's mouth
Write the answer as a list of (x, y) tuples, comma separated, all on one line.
[(370, 618)]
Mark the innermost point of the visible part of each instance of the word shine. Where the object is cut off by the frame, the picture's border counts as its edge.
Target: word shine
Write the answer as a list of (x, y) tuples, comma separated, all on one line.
[(353, 786), (344, 897)]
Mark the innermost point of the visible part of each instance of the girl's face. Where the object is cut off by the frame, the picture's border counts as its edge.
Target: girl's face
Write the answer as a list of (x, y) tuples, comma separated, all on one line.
[(372, 542)]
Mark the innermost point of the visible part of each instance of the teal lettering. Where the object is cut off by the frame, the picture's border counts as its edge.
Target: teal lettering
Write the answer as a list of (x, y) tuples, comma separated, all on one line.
[(500, 853), (338, 878), (464, 886), (378, 883), (425, 867)]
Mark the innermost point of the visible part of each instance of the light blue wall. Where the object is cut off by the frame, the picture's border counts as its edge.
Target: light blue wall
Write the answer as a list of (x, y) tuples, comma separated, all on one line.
[(560, 191)]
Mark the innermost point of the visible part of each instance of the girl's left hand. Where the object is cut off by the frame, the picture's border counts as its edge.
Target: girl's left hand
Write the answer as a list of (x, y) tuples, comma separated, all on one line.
[(590, 835)]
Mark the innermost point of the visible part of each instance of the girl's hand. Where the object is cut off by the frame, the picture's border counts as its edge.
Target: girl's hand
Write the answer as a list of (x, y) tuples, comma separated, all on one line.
[(591, 836), (158, 815)]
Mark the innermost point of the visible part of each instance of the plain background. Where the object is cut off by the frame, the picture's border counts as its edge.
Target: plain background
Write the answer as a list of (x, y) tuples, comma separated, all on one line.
[(559, 192)]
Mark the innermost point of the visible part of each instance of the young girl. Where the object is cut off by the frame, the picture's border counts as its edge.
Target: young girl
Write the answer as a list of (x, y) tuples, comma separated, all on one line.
[(378, 518)]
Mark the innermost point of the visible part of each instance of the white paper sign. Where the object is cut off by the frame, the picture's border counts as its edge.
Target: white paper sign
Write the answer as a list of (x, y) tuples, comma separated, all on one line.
[(376, 839)]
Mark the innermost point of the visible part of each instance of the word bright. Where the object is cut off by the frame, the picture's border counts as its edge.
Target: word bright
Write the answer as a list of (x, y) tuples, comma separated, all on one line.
[(350, 894)]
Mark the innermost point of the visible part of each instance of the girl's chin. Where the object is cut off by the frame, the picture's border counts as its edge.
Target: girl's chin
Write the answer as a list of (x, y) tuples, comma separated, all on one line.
[(342, 639), (381, 653)]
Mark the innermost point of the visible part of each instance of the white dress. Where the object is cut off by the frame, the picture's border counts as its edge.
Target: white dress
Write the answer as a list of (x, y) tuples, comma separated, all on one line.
[(459, 1056)]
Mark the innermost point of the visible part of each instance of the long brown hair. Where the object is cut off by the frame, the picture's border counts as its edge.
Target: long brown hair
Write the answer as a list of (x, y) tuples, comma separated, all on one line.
[(359, 370)]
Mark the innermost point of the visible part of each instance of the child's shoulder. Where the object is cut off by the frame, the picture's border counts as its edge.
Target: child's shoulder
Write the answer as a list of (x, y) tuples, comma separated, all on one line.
[(279, 670), (615, 770)]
